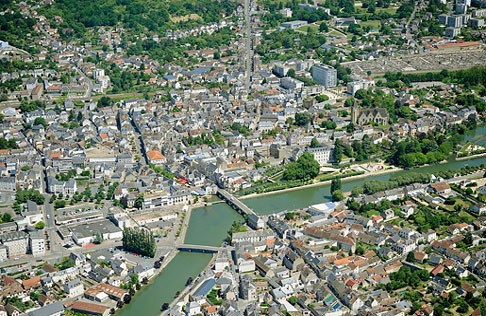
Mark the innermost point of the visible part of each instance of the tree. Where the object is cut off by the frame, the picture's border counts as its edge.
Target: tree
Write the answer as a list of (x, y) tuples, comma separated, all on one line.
[(335, 184), (314, 143), (337, 195), (463, 308), (323, 27), (104, 101), (302, 119), (140, 241), (293, 300), (337, 154), (411, 257), (139, 201), (6, 217), (305, 168), (40, 225)]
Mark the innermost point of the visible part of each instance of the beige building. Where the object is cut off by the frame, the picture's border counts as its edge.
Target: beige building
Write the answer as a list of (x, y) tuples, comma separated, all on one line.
[(16, 242)]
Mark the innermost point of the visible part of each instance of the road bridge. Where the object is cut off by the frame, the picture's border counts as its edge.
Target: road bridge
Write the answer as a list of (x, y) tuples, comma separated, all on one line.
[(198, 248), (236, 204)]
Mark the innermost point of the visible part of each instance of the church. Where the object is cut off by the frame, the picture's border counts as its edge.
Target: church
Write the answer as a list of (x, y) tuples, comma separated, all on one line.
[(378, 116)]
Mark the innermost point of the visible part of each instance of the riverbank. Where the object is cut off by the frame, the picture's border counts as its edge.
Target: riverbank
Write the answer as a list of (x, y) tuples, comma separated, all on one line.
[(188, 289), (323, 183), (471, 157)]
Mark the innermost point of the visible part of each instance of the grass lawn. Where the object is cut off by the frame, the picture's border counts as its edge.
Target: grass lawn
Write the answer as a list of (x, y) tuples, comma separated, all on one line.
[(466, 214), (391, 10), (305, 28), (374, 24), (372, 213)]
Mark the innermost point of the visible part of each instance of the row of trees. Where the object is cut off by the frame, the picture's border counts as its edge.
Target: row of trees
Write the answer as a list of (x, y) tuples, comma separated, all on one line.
[(8, 143), (469, 77), (140, 241), (22, 196)]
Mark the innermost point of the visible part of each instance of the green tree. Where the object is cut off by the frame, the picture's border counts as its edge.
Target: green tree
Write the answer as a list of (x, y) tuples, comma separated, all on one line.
[(305, 168), (314, 143), (140, 241), (302, 119), (6, 217), (337, 154), (337, 195), (40, 225)]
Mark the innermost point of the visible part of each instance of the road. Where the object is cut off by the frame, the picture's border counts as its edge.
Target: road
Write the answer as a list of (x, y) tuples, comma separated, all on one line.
[(89, 91), (248, 50), (412, 17)]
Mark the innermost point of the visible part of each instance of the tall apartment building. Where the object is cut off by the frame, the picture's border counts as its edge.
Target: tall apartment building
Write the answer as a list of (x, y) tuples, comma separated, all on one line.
[(17, 243), (325, 75), (37, 244)]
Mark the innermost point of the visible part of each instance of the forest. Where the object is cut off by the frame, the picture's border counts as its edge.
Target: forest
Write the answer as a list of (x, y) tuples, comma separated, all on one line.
[(156, 16)]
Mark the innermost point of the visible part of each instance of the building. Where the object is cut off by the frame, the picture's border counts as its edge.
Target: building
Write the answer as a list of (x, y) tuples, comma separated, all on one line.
[(90, 308), (377, 116), (7, 184), (16, 242), (37, 244), (74, 288), (452, 32), (356, 85), (476, 23), (256, 222), (66, 188), (323, 155), (156, 157), (292, 25), (87, 233), (325, 75), (53, 309), (291, 83)]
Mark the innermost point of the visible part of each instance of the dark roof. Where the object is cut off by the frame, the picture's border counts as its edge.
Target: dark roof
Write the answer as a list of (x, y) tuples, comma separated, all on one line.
[(204, 289), (48, 310)]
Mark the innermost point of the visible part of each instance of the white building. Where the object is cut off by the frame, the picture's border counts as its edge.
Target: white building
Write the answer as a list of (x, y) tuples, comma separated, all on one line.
[(16, 242), (291, 83), (37, 244), (74, 288), (354, 86), (322, 155), (325, 75)]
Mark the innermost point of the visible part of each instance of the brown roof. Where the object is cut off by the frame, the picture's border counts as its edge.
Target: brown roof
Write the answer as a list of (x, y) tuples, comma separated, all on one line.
[(49, 268), (155, 155), (88, 307), (31, 283)]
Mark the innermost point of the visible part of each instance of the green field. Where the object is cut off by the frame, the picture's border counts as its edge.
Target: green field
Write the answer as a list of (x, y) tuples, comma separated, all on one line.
[(374, 24)]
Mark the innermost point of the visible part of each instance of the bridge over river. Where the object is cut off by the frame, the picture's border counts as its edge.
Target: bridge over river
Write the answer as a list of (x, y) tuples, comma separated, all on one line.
[(198, 248), (236, 204)]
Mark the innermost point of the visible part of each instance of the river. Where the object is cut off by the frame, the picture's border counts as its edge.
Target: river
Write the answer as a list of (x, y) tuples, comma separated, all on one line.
[(209, 226)]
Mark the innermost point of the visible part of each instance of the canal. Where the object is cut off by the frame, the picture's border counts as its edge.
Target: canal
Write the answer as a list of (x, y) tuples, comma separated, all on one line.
[(209, 226)]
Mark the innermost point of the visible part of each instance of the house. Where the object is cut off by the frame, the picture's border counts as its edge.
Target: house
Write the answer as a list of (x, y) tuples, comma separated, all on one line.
[(12, 310), (53, 309), (437, 270), (90, 308), (193, 308), (478, 208), (74, 288), (156, 157), (440, 188), (256, 222), (455, 229)]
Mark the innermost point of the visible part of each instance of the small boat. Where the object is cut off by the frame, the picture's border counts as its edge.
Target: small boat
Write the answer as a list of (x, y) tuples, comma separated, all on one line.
[(177, 294)]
